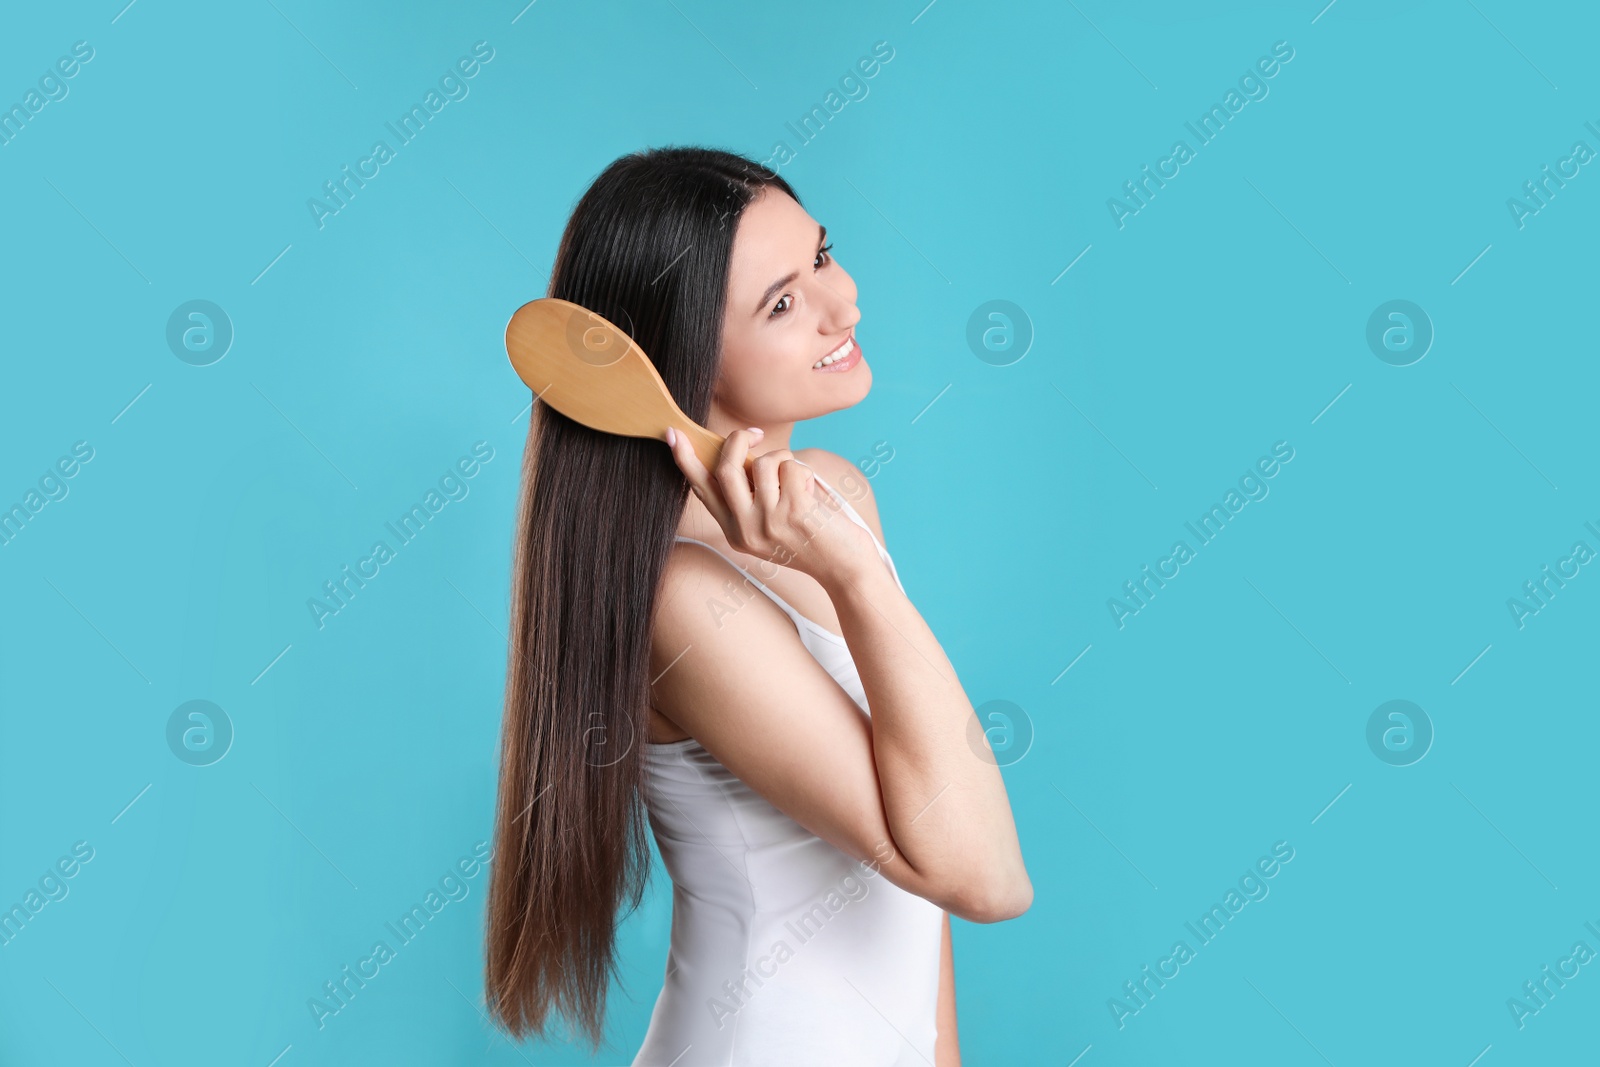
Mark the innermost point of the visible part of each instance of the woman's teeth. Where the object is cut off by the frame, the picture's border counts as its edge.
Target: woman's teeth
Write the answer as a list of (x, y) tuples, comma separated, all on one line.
[(849, 347)]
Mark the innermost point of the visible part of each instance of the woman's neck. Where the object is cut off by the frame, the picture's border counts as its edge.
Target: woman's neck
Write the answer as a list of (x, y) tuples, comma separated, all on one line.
[(777, 435)]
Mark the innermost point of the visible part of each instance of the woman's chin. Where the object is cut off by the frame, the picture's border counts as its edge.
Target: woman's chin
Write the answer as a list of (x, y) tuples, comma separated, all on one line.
[(837, 392), (849, 388)]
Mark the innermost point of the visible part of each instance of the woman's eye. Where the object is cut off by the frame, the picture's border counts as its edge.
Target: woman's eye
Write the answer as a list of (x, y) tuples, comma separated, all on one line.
[(822, 260)]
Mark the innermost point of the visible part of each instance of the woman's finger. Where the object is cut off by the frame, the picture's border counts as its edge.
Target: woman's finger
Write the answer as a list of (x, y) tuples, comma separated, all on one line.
[(699, 478), (765, 474), (730, 477), (803, 495)]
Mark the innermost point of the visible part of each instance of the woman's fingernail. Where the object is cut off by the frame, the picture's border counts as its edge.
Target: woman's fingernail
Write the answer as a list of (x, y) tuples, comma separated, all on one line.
[(672, 437), (758, 431)]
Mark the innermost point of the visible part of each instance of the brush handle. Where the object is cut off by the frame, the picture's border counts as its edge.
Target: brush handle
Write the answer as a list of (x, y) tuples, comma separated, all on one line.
[(707, 445)]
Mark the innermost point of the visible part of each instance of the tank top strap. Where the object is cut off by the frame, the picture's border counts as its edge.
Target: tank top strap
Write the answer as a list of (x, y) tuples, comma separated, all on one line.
[(883, 553), (799, 620)]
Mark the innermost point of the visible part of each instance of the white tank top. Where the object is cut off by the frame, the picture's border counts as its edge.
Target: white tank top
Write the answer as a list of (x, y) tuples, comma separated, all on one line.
[(784, 950)]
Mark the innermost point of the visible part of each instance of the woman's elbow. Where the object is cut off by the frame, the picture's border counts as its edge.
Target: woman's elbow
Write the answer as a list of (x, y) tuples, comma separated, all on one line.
[(993, 903)]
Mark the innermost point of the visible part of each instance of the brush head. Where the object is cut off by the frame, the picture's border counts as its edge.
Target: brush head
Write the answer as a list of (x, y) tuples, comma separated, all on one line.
[(592, 372)]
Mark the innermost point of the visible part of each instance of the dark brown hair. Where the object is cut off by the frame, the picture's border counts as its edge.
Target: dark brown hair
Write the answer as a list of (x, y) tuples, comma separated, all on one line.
[(647, 247)]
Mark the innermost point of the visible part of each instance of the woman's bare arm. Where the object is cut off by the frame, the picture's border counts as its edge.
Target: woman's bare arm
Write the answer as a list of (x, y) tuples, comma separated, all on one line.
[(906, 788), (909, 674), (848, 481)]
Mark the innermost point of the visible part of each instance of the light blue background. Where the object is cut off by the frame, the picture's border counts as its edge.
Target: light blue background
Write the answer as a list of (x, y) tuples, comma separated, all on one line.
[(1227, 315)]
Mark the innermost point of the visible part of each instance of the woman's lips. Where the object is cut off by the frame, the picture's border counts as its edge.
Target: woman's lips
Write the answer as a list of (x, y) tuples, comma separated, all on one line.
[(842, 365)]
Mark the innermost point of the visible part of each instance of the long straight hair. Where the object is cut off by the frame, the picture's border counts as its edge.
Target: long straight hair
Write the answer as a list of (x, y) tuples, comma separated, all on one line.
[(647, 247)]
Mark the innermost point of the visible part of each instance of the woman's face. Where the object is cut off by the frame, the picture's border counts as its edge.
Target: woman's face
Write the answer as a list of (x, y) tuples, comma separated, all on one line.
[(789, 305)]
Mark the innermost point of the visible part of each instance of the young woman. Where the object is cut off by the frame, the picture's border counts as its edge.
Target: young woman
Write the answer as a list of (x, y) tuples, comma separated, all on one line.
[(729, 655)]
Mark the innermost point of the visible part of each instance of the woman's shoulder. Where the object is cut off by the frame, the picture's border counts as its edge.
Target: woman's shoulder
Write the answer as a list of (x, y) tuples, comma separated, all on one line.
[(847, 481)]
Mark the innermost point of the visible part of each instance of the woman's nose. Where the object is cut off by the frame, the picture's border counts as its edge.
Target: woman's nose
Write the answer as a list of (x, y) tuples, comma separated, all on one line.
[(840, 311)]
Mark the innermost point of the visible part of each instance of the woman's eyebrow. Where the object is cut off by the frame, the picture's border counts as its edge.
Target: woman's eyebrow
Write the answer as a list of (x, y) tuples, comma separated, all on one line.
[(772, 290)]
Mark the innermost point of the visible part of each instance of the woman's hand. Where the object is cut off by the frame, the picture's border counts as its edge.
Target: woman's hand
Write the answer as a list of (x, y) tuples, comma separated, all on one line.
[(786, 517)]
